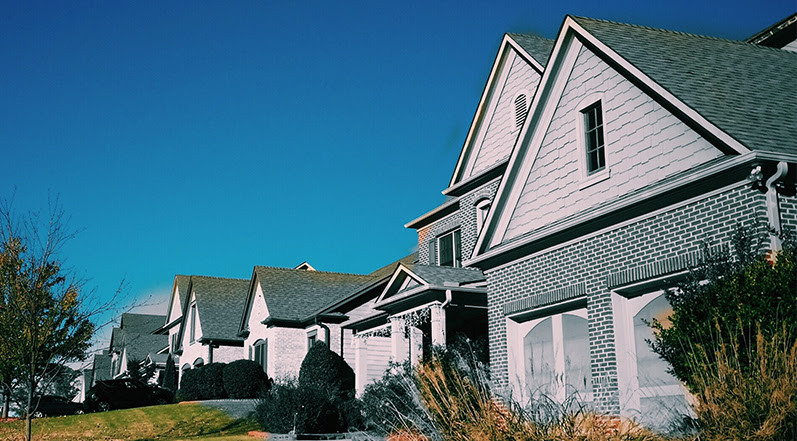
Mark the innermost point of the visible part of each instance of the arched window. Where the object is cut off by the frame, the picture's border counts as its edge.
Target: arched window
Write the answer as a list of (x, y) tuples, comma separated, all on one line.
[(556, 352), (521, 109), (199, 362), (261, 353), (482, 209)]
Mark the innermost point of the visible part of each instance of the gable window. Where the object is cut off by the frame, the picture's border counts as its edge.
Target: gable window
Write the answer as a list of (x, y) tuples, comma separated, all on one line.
[(593, 131), (520, 110), (194, 330), (261, 354), (448, 249)]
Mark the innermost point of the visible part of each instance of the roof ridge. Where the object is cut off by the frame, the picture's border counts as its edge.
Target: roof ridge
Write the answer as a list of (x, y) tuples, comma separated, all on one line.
[(447, 267), (669, 31), (306, 271), (525, 34), (217, 278)]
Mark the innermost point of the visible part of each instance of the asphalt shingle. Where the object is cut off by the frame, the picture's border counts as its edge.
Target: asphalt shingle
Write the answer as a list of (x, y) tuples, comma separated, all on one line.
[(220, 303), (538, 47)]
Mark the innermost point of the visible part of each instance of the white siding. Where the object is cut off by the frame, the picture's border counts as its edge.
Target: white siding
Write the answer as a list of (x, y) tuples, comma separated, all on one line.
[(644, 143), (378, 357)]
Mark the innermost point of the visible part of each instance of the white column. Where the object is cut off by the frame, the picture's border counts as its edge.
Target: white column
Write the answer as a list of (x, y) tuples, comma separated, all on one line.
[(438, 321), (360, 364), (398, 343), (416, 345)]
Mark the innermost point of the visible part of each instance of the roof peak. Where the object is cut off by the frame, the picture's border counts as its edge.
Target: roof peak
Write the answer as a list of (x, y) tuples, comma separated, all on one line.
[(302, 271)]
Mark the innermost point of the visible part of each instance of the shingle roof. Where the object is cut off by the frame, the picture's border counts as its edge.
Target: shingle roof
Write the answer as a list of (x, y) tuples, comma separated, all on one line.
[(138, 346), (538, 47), (388, 269), (446, 275), (295, 294), (747, 91), (141, 323), (220, 303)]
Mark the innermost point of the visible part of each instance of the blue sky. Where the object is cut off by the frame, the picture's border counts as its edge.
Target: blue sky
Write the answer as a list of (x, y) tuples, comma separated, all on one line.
[(205, 138)]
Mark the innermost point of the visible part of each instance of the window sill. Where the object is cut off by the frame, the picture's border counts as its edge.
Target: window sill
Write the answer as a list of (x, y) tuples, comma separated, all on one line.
[(595, 178)]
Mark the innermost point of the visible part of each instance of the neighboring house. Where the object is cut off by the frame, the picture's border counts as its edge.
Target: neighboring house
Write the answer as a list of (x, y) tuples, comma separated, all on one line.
[(134, 340), (594, 167), (174, 314), (209, 325), (284, 315)]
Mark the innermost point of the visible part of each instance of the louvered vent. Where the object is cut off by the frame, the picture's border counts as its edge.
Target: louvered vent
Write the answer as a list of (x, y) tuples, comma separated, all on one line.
[(520, 110)]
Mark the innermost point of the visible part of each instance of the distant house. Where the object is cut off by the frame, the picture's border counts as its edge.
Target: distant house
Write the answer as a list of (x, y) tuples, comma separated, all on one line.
[(174, 313), (209, 325), (134, 340), (283, 315)]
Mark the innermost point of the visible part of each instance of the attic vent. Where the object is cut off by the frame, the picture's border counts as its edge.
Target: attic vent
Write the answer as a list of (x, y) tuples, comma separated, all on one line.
[(520, 110)]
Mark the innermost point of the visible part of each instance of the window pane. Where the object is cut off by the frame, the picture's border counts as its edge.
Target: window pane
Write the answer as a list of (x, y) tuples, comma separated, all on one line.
[(446, 250), (578, 376), (457, 249), (538, 351), (652, 370)]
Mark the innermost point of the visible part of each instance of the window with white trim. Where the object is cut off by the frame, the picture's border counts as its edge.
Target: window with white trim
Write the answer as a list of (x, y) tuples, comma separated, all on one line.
[(556, 358), (648, 391), (448, 249), (194, 328), (593, 137), (261, 354), (312, 337), (482, 209)]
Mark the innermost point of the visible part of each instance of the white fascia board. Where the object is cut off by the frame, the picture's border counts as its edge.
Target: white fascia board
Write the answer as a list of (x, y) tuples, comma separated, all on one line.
[(522, 52), (400, 269), (657, 89), (562, 57)]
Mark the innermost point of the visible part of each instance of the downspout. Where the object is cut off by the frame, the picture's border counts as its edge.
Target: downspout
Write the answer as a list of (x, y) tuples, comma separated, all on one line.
[(321, 325), (773, 211), (449, 297)]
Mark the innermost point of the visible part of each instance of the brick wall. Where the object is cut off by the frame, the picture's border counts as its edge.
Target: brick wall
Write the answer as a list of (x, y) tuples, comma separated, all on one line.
[(588, 261), (428, 233), (467, 214), (286, 350)]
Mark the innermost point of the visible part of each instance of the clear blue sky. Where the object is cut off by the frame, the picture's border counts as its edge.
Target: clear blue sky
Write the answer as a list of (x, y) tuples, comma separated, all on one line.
[(205, 138)]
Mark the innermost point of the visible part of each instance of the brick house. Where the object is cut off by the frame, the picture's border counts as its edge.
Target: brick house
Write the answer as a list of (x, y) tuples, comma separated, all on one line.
[(284, 314), (595, 166), (208, 330)]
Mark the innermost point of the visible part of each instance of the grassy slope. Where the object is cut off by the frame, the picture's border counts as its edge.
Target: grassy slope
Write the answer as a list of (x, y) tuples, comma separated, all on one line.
[(170, 422)]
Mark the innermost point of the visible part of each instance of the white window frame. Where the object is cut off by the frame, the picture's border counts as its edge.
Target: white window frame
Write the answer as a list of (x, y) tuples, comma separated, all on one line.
[(482, 210), (193, 323), (625, 309), (589, 179), (516, 332), (456, 246)]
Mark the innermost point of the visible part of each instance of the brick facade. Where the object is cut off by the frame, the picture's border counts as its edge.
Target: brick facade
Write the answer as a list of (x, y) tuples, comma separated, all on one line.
[(590, 260)]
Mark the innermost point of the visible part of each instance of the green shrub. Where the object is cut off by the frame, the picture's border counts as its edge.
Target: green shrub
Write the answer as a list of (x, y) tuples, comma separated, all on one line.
[(322, 368), (169, 378), (392, 403), (211, 381), (189, 389), (244, 379), (728, 297)]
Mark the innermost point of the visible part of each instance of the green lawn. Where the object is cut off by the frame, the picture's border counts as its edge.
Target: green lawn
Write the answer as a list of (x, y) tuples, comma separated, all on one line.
[(170, 422)]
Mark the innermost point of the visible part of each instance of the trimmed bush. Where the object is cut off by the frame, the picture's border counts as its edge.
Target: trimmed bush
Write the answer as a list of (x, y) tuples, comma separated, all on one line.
[(189, 389), (322, 368), (244, 379), (312, 410), (211, 381)]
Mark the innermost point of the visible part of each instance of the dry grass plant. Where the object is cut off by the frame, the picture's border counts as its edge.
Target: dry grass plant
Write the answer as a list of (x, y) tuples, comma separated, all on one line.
[(464, 409), (747, 401)]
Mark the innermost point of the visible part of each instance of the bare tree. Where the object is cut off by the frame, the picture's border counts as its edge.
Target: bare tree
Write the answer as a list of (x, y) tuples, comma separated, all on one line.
[(45, 317)]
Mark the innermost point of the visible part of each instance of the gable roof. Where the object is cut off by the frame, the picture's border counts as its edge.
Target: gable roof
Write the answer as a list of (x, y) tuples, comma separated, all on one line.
[(295, 295), (387, 270), (139, 346), (219, 303), (179, 281), (738, 96), (446, 275), (534, 50), (748, 91)]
